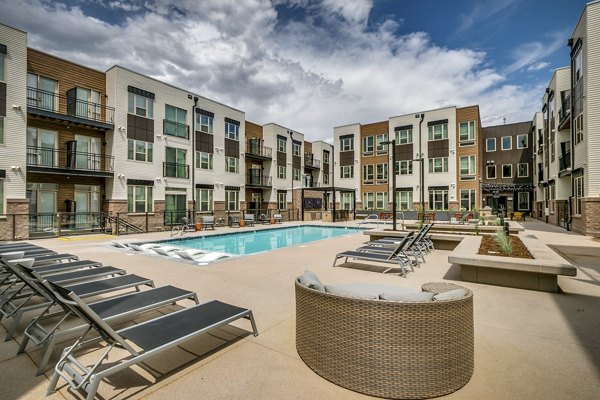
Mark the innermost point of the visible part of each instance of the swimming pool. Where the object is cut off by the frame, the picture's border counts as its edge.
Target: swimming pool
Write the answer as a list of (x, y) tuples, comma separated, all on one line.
[(256, 241)]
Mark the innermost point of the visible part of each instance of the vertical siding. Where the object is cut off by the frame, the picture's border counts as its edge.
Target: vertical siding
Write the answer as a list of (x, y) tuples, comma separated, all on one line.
[(592, 100), (12, 152)]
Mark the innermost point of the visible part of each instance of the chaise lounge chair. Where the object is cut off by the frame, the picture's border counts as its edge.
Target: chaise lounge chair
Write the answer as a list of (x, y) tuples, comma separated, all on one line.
[(249, 219), (208, 221), (278, 218)]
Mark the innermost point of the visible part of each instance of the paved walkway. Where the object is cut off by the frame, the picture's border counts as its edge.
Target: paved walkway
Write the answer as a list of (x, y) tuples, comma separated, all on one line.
[(528, 345)]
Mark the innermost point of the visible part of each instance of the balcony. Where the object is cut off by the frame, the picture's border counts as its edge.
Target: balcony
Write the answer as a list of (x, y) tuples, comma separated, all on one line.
[(564, 159), (172, 128), (540, 175), (310, 162), (69, 109), (66, 162), (176, 170), (258, 181), (564, 114), (256, 151)]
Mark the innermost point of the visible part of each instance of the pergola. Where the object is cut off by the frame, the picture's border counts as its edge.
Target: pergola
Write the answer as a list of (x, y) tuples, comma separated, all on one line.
[(327, 190)]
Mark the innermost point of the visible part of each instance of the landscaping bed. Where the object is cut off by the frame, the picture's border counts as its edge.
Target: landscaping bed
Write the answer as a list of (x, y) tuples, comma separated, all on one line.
[(490, 247)]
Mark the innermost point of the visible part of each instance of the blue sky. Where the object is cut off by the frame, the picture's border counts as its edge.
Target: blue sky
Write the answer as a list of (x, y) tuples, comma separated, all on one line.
[(311, 65)]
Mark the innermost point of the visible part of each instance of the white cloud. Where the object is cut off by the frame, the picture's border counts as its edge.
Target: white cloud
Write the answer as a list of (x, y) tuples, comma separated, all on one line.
[(529, 54), (303, 74), (480, 12), (538, 66)]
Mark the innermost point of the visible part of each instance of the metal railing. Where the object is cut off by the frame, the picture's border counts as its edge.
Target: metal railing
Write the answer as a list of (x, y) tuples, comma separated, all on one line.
[(309, 161), (176, 170), (177, 129), (564, 162), (565, 110), (254, 148), (258, 180), (69, 105), (76, 160)]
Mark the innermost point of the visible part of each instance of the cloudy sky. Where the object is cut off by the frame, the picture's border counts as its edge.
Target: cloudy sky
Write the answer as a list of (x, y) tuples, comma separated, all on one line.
[(311, 65)]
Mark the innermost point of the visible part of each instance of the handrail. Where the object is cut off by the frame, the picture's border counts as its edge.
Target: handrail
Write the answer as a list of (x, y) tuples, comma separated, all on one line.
[(69, 105), (77, 160), (173, 128), (172, 170), (364, 221)]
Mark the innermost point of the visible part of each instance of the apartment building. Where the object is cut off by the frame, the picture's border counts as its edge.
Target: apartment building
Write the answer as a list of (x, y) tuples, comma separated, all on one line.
[(537, 144)]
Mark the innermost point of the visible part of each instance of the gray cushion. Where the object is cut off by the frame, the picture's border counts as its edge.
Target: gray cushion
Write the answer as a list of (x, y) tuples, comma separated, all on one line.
[(311, 280), (373, 289), (403, 296), (451, 295), (349, 293)]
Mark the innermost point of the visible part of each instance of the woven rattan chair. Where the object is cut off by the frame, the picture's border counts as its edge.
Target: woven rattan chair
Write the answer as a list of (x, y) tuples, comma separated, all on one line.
[(398, 350)]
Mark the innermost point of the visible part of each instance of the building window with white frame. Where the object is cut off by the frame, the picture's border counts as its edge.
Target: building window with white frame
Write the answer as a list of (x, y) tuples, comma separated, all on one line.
[(139, 199), (381, 148), (204, 160), (232, 164), (325, 157), (466, 133), (204, 200), (325, 179), (577, 66), (175, 122), (232, 200), (346, 200), (281, 200), (523, 201), (490, 172), (139, 150), (232, 131), (438, 165), (281, 171), (467, 199), (296, 174), (140, 105), (507, 171), (347, 143), (296, 148), (204, 123), (490, 144), (381, 200), (404, 200), (438, 199), (369, 201), (404, 136), (1, 190), (381, 173), (438, 132), (347, 171), (281, 145), (522, 170), (368, 174), (506, 142), (552, 197), (404, 167), (522, 141), (368, 144), (467, 168), (578, 191), (578, 122)]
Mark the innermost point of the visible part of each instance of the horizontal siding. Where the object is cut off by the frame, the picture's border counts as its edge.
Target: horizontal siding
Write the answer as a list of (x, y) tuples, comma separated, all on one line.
[(592, 93)]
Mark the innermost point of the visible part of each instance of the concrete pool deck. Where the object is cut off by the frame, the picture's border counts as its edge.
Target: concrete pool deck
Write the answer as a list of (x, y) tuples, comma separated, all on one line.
[(527, 344)]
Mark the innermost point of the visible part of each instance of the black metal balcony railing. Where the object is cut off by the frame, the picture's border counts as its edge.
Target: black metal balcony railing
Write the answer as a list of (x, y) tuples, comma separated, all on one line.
[(254, 148), (565, 110), (540, 176), (177, 129), (66, 159), (310, 162), (176, 170), (67, 105), (564, 161), (258, 180)]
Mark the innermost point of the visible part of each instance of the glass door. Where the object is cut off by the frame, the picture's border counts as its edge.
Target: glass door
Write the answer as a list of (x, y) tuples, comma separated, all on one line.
[(42, 92), (88, 153), (88, 103), (175, 208)]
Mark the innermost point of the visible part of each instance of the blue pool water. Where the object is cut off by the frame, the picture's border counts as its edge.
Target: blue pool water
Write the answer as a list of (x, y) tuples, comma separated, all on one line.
[(249, 242)]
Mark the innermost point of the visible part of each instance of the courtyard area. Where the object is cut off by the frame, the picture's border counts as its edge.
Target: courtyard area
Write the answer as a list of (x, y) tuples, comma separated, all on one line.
[(528, 344)]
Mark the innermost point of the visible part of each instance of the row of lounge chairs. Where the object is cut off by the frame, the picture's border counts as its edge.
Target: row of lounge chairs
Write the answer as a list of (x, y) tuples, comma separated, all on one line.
[(405, 252), (195, 255), (56, 289)]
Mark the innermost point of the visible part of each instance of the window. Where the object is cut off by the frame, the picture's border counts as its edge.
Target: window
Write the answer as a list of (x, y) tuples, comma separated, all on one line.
[(382, 173), (175, 122), (204, 199), (578, 122), (437, 165), (325, 157), (522, 170), (404, 136), (2, 67), (281, 145), (522, 141), (552, 193), (381, 200), (438, 199), (204, 160), (232, 200), (175, 163), (139, 151), (578, 189), (368, 144), (281, 200), (347, 143), (296, 149), (467, 199), (1, 190), (41, 92), (139, 199), (326, 179), (368, 201), (296, 174), (506, 142), (404, 167), (368, 174), (507, 171), (467, 133), (346, 200), (347, 171), (438, 132), (1, 127), (467, 168), (577, 66), (232, 131), (382, 148), (523, 201), (204, 123), (404, 200), (491, 172), (140, 105), (490, 144), (232, 164)]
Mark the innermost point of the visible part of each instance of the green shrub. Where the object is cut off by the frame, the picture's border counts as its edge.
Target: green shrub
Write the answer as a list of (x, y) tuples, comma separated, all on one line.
[(504, 241)]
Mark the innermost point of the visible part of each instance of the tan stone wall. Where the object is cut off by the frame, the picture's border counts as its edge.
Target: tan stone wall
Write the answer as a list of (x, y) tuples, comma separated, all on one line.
[(17, 226), (155, 219), (589, 222)]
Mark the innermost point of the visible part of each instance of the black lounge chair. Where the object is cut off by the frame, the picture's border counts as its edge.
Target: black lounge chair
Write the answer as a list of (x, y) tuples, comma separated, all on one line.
[(233, 222), (396, 256), (151, 337)]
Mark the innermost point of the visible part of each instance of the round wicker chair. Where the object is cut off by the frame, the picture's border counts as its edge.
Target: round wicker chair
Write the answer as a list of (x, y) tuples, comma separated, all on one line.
[(398, 350)]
